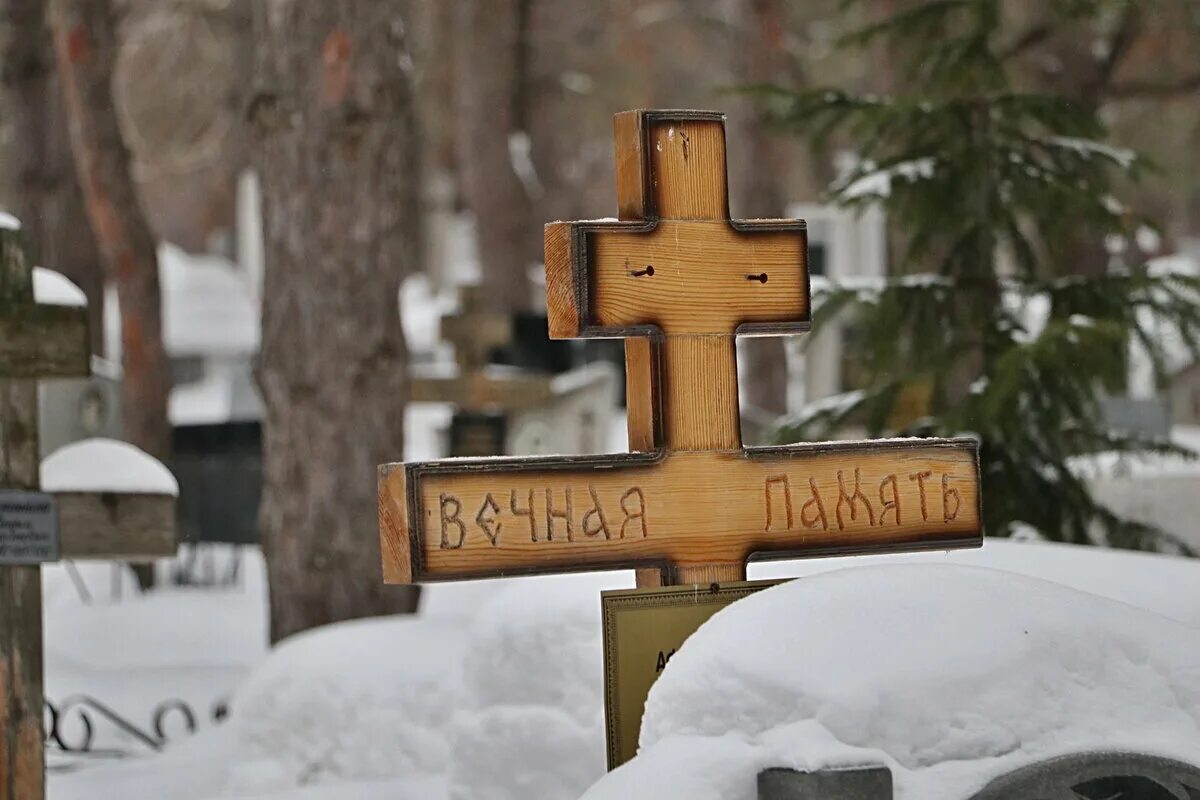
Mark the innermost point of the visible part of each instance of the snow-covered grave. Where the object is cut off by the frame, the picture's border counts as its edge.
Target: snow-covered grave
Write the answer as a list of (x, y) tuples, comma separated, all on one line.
[(81, 513), (495, 690), (962, 675), (114, 501)]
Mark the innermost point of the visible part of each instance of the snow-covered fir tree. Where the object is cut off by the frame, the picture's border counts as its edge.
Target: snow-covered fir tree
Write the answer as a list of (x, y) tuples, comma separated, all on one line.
[(993, 190)]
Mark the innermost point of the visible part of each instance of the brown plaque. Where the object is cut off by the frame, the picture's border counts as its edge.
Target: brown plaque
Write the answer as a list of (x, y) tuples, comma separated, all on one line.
[(643, 628)]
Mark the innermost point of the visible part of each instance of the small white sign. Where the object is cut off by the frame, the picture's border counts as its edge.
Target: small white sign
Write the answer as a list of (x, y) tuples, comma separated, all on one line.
[(28, 528)]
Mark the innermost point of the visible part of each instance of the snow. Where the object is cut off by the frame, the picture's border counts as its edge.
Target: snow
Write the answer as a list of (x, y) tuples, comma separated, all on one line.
[(207, 307), (1166, 585), (133, 650), (225, 393), (423, 309), (1087, 148), (531, 715), (948, 675), (502, 678), (105, 465), (8, 222), (55, 289), (363, 700), (1143, 465), (878, 182)]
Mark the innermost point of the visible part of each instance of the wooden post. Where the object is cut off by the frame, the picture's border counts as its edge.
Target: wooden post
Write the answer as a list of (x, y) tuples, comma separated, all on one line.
[(22, 764), (679, 281), (22, 759)]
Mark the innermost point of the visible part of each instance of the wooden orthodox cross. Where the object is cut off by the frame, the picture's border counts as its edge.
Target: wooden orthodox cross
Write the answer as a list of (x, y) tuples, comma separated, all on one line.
[(678, 280), (480, 398), (39, 340)]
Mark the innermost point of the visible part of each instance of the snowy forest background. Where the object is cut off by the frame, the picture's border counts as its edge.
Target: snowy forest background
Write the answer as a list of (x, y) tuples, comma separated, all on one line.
[(280, 172)]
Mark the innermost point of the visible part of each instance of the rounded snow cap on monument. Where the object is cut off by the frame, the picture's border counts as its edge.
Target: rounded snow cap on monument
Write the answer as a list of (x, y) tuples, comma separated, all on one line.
[(106, 465), (52, 288)]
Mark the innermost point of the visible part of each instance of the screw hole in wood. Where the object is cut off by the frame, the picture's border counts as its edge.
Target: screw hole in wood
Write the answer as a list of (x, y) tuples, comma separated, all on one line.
[(760, 277)]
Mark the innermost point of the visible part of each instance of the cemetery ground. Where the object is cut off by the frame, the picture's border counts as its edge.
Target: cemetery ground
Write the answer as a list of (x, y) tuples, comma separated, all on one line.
[(494, 689)]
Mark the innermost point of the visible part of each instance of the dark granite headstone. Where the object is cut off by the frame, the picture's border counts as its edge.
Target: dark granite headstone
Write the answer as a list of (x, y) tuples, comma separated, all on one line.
[(857, 783)]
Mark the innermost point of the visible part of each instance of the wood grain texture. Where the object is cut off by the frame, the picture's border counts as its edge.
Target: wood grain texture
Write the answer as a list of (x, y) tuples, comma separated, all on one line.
[(22, 762), (43, 341), (629, 139), (695, 277), (479, 391), (698, 376), (562, 309), (394, 541), (642, 395), (490, 517), (687, 168), (108, 525), (22, 758)]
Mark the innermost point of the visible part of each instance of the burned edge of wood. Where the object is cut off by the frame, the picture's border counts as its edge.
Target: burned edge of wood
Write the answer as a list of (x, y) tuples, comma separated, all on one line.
[(401, 534), (44, 341), (631, 129), (569, 311)]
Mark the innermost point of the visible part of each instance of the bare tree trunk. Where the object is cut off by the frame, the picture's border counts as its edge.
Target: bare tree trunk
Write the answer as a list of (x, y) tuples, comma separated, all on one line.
[(85, 41), (49, 201), (338, 155), (758, 172), (493, 95)]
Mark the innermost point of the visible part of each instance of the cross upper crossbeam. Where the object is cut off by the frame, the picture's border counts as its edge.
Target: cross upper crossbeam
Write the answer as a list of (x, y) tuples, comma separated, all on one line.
[(36, 341), (678, 279)]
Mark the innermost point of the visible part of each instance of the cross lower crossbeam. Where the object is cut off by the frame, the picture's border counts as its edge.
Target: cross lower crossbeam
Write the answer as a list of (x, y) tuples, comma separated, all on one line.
[(679, 280), (699, 516)]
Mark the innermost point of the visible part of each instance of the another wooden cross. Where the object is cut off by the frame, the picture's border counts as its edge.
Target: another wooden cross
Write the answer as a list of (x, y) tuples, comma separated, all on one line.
[(475, 331), (678, 280), (47, 341)]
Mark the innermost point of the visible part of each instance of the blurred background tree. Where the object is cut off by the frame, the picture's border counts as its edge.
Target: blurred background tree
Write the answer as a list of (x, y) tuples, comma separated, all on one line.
[(1006, 316), (338, 154)]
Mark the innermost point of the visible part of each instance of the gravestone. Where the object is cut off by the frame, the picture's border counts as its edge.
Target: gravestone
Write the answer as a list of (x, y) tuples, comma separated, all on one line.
[(677, 279), (41, 340)]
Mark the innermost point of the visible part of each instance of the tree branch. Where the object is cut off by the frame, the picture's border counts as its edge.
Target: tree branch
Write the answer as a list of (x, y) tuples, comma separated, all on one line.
[(1030, 38), (1160, 89)]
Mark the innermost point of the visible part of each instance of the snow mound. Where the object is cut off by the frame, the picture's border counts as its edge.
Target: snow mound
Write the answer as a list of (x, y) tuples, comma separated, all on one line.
[(363, 700), (950, 675), (1166, 585), (105, 465), (531, 721), (55, 289)]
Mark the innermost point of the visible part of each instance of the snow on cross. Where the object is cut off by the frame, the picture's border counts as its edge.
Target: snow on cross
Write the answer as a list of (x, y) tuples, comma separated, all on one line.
[(678, 279)]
